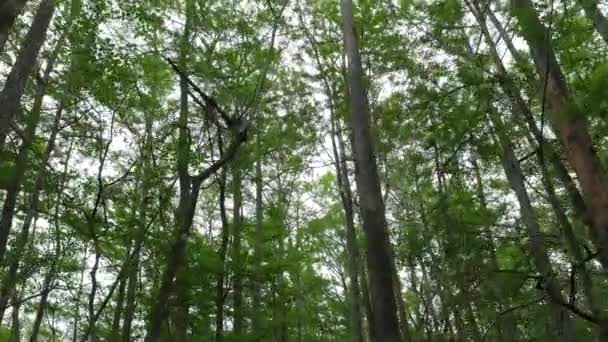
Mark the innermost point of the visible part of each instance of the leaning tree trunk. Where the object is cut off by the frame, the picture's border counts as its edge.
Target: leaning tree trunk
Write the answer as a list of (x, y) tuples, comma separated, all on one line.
[(540, 257), (10, 97), (569, 122), (368, 186)]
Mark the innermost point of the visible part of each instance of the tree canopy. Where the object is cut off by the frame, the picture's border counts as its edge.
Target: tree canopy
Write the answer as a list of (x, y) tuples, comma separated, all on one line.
[(299, 170)]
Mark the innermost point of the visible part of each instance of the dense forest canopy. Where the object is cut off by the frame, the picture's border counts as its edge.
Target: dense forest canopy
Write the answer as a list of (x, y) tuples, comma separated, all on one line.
[(303, 170)]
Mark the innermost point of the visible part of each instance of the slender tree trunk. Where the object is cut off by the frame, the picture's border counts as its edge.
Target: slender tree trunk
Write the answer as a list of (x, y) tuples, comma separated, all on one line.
[(593, 13), (258, 241), (9, 10), (569, 122), (237, 228), (40, 310), (93, 293), (76, 320), (219, 292), (118, 310), (10, 98), (561, 319), (51, 273), (368, 186), (142, 223), (505, 325), (15, 319)]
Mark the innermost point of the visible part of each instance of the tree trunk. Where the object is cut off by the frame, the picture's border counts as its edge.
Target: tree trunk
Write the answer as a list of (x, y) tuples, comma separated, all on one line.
[(15, 319), (569, 122), (14, 189), (133, 266), (93, 293), (237, 228), (561, 320), (76, 320), (505, 325), (184, 214), (10, 98), (219, 292), (258, 241), (352, 250), (182, 305), (9, 10), (120, 298), (368, 186)]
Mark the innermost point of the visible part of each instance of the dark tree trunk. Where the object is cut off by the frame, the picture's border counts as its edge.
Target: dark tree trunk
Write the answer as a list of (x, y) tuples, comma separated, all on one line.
[(10, 98), (379, 259)]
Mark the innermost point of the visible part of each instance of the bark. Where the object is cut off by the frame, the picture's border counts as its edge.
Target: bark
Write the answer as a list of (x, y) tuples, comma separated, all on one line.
[(9, 10), (561, 320), (593, 13), (569, 122), (237, 227), (379, 259), (14, 86)]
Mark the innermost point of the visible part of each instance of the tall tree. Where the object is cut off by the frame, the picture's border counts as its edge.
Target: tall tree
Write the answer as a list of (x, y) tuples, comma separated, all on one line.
[(379, 257)]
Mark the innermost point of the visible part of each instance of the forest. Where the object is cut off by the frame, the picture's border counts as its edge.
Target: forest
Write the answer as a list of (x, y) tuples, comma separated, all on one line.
[(303, 170)]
